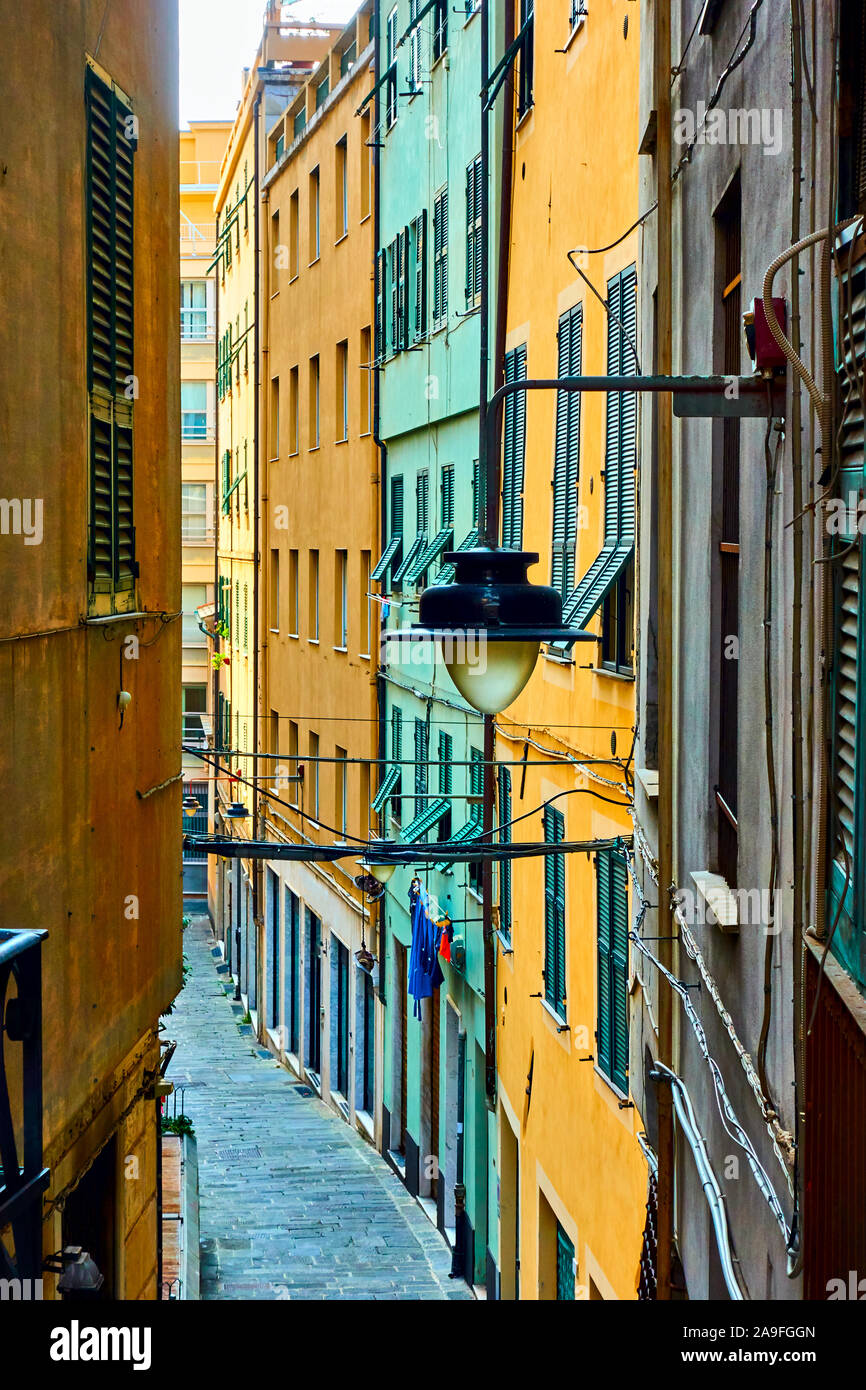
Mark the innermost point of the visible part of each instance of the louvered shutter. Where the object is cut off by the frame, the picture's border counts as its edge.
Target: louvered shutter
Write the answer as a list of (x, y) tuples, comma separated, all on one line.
[(110, 330), (514, 450), (564, 467), (380, 306), (422, 514), (603, 1035), (479, 194), (394, 267), (619, 971), (396, 758), (421, 275), (470, 233), (554, 914), (504, 837), (440, 256), (421, 737)]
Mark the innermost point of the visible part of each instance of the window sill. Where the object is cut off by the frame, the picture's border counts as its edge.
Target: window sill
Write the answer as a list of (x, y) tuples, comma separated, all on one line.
[(344, 650), (275, 459), (344, 236), (365, 434), (296, 453), (720, 900), (344, 440), (561, 1023), (557, 659), (469, 18), (295, 635), (275, 295), (293, 278), (314, 448), (365, 656), (310, 264), (313, 641), (524, 119), (439, 61), (504, 943), (274, 631), (365, 218), (611, 1085), (614, 675), (581, 20)]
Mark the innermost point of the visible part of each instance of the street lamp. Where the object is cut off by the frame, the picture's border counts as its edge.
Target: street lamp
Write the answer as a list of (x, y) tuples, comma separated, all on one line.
[(490, 623), (376, 862)]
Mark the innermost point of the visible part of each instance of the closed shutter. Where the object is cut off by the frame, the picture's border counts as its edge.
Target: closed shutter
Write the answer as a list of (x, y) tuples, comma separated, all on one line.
[(447, 498), (564, 1266), (421, 743), (380, 306), (613, 928), (504, 837), (421, 275), (446, 746), (110, 329), (394, 260), (397, 759), (397, 506), (440, 257), (422, 504), (514, 452), (554, 914)]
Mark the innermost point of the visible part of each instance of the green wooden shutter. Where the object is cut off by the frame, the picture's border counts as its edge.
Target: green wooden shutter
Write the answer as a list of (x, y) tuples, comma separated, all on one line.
[(613, 929), (504, 774), (421, 274), (514, 452), (554, 914), (470, 233), (380, 306), (396, 758), (421, 745), (567, 454), (440, 256), (564, 1266), (422, 499), (603, 1035), (447, 497), (849, 717)]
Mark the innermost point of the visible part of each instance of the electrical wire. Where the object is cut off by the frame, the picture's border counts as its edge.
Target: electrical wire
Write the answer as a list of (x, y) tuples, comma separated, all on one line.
[(733, 63)]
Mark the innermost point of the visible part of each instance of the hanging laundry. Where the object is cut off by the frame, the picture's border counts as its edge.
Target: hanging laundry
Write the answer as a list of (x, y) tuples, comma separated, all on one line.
[(446, 937), (425, 972)]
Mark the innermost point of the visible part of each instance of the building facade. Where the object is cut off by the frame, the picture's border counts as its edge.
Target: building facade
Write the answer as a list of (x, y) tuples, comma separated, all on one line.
[(201, 151), (287, 54), (572, 1179), (759, 747), (427, 129), (91, 633), (319, 632)]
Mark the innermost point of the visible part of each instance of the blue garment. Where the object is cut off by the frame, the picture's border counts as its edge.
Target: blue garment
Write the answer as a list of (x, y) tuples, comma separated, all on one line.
[(425, 972)]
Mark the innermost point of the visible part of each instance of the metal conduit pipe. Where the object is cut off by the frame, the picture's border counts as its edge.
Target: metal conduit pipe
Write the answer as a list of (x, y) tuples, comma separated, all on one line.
[(713, 1193)]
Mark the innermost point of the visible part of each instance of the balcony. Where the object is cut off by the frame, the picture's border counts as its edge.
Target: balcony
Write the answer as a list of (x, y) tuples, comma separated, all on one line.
[(196, 326)]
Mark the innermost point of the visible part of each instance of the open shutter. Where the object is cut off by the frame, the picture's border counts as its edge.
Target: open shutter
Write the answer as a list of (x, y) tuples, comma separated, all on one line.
[(380, 306), (470, 233), (561, 500), (504, 837), (478, 196), (514, 450), (619, 970)]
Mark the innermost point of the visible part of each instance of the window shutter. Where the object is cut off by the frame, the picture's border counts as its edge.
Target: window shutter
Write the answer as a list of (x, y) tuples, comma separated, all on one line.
[(478, 205), (421, 275), (447, 514), (396, 758), (422, 504), (554, 914), (421, 743), (504, 837), (380, 306), (850, 641), (394, 266), (603, 1036), (110, 329), (514, 452), (440, 256), (470, 233)]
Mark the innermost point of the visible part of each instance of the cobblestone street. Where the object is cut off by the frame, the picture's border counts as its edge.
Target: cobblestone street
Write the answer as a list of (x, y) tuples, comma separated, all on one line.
[(293, 1204)]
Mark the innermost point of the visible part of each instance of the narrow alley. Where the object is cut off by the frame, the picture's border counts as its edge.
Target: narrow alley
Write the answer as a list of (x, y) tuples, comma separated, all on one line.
[(294, 1205)]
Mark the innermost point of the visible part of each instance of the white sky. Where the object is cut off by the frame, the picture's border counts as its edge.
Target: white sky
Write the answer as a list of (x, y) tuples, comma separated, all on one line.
[(219, 37)]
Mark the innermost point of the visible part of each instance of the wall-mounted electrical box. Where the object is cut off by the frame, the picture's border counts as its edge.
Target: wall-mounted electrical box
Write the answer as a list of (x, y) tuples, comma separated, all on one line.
[(767, 356)]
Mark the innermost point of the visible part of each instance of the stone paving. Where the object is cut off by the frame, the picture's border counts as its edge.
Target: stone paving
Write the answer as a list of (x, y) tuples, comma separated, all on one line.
[(293, 1203)]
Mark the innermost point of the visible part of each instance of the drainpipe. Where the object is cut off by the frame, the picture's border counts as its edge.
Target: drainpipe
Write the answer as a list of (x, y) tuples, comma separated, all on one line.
[(662, 103), (217, 512), (257, 867), (458, 1254)]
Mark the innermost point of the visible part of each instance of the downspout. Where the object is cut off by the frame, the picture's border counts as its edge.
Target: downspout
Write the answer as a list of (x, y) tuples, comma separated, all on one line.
[(381, 695), (664, 528), (258, 866), (215, 675)]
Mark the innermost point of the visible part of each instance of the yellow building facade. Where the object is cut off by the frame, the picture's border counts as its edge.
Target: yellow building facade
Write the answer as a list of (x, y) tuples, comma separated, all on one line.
[(90, 634), (202, 147), (287, 54), (320, 533), (572, 1178)]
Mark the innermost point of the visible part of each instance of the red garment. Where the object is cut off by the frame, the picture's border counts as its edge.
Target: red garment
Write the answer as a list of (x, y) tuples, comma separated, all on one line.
[(445, 943)]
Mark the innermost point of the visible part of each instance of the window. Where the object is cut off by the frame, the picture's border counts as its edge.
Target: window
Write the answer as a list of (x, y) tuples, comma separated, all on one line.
[(399, 283), (314, 216), (419, 241), (340, 1007), (342, 187), (440, 28), (194, 512), (566, 465), (293, 970), (323, 91), (617, 624), (391, 556), (391, 69), (274, 592), (293, 593), (366, 382), (194, 706), (193, 410), (421, 746), (366, 164), (293, 760), (275, 418), (294, 235), (299, 121), (194, 326), (440, 258), (342, 401), (365, 602), (314, 597), (578, 13), (314, 403), (527, 57), (397, 760), (294, 412), (554, 914), (341, 799), (504, 775), (110, 290), (348, 58), (619, 459), (314, 775), (514, 452), (193, 596), (341, 600), (475, 192), (565, 1263), (613, 923), (368, 1063)]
